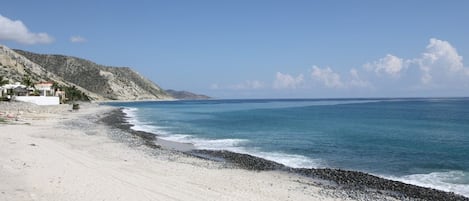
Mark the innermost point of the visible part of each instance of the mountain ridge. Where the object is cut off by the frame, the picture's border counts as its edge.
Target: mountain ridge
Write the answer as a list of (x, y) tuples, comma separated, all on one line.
[(16, 67), (112, 83), (99, 82), (95, 81), (185, 95)]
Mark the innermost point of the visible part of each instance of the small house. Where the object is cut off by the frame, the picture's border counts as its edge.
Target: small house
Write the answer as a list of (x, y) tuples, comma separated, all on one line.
[(45, 88)]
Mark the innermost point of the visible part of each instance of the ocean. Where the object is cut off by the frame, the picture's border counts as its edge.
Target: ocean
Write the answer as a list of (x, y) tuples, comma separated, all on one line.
[(423, 142)]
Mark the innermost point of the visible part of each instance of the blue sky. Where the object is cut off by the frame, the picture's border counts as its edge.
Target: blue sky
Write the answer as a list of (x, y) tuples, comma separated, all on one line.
[(260, 48)]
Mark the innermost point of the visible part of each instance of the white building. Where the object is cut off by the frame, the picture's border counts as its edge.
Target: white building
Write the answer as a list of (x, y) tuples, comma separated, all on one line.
[(9, 89), (20, 92), (46, 88)]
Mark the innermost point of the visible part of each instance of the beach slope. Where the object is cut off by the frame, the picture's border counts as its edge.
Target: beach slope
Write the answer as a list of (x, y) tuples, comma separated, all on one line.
[(64, 155), (52, 153)]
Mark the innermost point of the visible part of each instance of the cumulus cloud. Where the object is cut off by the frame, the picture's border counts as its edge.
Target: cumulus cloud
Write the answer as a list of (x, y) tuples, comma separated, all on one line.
[(439, 67), (254, 84), (286, 81), (389, 64), (15, 30), (426, 76), (327, 77), (439, 51), (356, 80), (77, 39), (440, 59), (330, 79), (246, 85), (438, 70)]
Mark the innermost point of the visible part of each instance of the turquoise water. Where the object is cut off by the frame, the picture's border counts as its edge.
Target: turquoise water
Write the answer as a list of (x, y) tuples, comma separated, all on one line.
[(419, 141)]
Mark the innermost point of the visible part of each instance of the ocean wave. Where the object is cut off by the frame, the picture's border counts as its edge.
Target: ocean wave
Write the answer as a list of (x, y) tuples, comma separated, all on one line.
[(236, 145), (452, 181), (291, 160), (210, 144), (130, 112), (139, 125)]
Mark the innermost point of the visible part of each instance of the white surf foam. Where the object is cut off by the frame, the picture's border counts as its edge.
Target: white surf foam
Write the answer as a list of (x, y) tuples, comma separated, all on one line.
[(209, 144), (177, 138), (139, 125), (291, 160), (130, 111), (236, 145), (451, 181)]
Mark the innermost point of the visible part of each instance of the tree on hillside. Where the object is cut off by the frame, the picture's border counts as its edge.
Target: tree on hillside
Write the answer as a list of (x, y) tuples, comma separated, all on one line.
[(55, 85), (74, 94), (3, 81), (27, 81)]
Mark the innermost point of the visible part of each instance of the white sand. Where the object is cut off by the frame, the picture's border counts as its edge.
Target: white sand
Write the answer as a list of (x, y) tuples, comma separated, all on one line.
[(50, 160)]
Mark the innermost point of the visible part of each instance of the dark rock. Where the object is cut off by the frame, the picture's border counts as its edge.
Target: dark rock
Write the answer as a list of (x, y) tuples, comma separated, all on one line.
[(116, 119), (244, 161), (352, 181), (362, 181)]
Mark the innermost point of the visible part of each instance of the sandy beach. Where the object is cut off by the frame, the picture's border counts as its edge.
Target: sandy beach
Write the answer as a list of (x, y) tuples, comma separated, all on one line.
[(51, 153)]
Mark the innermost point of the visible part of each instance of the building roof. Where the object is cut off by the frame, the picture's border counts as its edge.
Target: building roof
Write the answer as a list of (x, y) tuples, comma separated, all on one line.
[(13, 86)]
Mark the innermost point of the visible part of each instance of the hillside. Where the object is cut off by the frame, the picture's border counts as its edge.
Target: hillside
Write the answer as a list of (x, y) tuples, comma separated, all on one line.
[(98, 81), (16, 67), (185, 95)]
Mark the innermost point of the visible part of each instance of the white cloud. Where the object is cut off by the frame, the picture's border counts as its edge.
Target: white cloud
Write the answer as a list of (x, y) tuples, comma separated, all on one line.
[(77, 39), (286, 81), (15, 30), (439, 70), (439, 67), (439, 51), (255, 84), (426, 75), (440, 59), (356, 80), (246, 85), (327, 77), (330, 79), (389, 64)]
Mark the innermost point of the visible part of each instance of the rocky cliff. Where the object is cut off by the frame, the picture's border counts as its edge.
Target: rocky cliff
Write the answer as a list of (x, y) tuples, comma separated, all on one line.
[(15, 67), (97, 81)]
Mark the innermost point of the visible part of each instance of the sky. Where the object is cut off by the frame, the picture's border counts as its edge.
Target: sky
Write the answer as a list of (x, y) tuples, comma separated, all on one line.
[(260, 48)]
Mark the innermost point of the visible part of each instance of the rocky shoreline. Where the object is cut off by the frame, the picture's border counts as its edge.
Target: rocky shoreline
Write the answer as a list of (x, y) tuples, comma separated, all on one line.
[(349, 181)]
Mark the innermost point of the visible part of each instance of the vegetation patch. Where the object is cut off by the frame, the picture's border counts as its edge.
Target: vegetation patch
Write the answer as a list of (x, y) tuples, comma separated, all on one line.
[(74, 94)]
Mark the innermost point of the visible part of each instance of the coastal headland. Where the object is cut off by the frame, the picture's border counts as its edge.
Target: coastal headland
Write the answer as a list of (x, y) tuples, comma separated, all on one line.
[(53, 153)]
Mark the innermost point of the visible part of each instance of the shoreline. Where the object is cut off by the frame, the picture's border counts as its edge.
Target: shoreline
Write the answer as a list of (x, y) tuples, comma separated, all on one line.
[(92, 154), (343, 179)]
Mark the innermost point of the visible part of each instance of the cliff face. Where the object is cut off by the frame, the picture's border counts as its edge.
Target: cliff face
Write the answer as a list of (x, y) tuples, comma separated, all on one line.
[(14, 67), (102, 82)]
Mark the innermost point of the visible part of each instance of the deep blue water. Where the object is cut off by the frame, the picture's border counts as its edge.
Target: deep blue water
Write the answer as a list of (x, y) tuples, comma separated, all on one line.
[(418, 141)]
